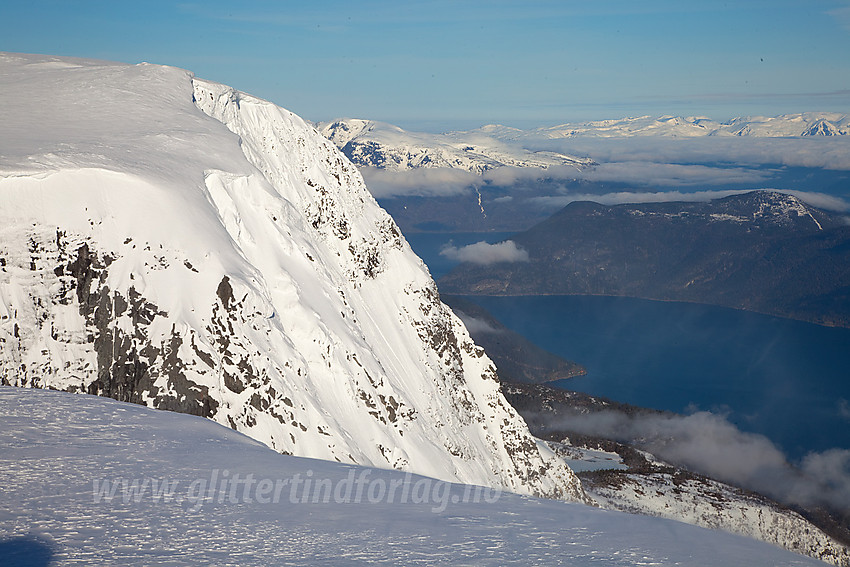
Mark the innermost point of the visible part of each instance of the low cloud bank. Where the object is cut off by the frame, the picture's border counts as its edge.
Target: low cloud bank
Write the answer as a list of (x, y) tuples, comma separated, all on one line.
[(709, 444), (506, 176), (421, 182), (484, 253), (634, 172), (445, 182), (641, 161), (844, 409), (828, 152), (476, 326), (672, 174), (442, 182), (818, 200)]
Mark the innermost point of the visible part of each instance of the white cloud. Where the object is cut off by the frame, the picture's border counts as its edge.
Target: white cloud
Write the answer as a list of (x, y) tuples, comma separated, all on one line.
[(508, 175), (709, 444), (484, 253), (422, 182), (671, 174), (634, 172), (830, 473), (844, 408), (831, 152), (620, 197), (631, 171), (818, 200), (476, 326), (841, 15)]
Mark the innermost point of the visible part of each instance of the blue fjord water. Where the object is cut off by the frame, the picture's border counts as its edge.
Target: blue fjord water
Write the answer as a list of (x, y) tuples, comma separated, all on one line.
[(787, 380)]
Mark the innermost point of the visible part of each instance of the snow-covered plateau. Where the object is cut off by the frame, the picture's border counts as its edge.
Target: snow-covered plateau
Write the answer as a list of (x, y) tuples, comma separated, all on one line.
[(172, 242), (89, 480)]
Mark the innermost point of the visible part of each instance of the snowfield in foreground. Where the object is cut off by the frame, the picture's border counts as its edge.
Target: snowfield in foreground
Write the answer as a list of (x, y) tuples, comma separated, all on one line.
[(60, 455)]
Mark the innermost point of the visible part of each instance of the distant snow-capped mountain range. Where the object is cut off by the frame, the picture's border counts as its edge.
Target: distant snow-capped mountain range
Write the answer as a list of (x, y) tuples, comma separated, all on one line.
[(787, 125), (385, 146)]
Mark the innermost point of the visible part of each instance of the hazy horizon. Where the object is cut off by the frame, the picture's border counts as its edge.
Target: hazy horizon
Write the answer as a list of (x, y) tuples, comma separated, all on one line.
[(438, 65)]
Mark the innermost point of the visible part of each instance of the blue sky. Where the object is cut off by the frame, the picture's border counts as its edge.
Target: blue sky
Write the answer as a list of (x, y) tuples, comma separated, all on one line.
[(440, 64)]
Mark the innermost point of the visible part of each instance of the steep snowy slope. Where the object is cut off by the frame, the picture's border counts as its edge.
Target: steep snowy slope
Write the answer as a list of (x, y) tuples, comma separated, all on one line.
[(89, 481), (172, 242)]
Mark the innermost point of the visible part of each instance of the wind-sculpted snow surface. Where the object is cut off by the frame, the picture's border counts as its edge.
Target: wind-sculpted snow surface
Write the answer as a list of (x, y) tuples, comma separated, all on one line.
[(175, 243), (90, 481)]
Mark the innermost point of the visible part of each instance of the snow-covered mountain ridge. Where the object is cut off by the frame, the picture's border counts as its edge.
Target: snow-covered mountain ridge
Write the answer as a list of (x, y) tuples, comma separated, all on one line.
[(385, 146), (786, 125), (176, 243)]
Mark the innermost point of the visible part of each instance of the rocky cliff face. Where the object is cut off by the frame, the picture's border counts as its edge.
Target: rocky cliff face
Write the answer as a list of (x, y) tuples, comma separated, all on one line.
[(176, 243)]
